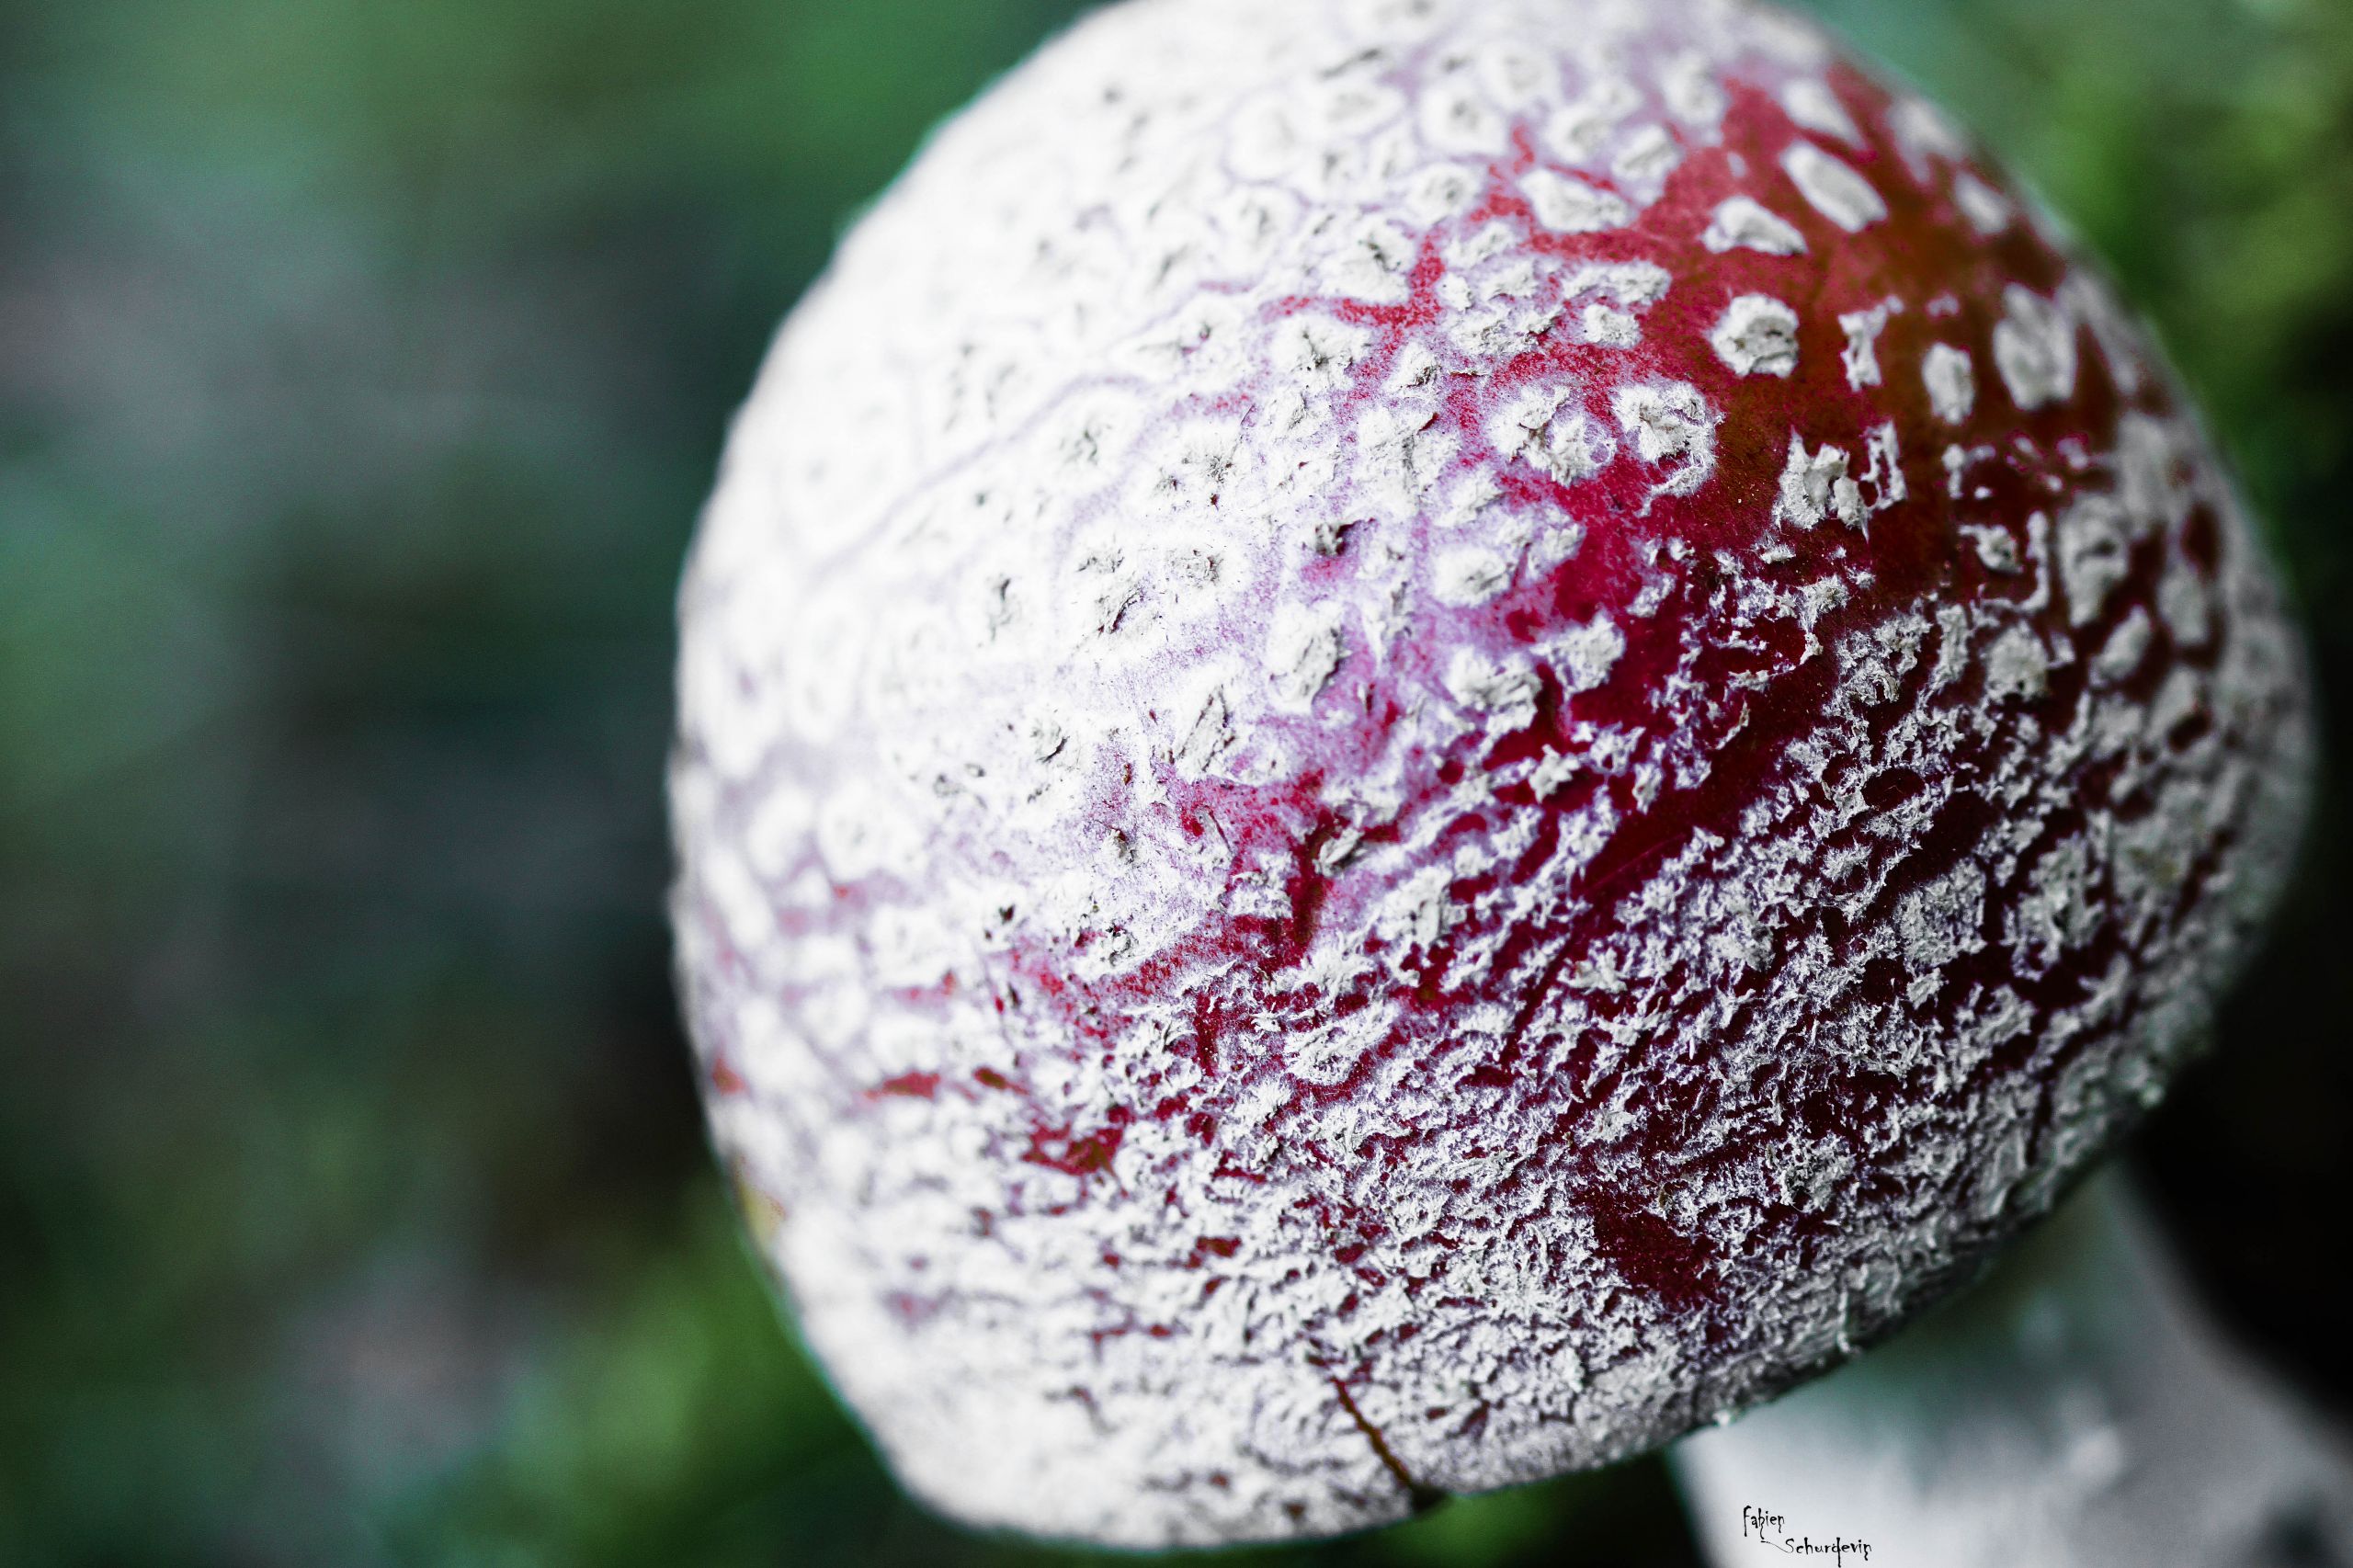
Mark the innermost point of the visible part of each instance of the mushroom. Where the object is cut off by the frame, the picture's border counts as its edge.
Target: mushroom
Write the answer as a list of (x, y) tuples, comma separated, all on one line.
[(1423, 739)]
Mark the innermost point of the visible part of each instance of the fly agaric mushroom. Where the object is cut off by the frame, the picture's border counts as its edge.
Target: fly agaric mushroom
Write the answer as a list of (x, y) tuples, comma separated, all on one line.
[(1424, 738)]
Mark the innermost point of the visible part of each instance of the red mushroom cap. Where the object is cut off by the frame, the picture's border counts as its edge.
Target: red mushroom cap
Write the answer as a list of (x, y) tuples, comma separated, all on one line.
[(1424, 737)]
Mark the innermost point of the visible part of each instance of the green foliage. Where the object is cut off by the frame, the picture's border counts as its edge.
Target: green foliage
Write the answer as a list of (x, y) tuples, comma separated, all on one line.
[(364, 366)]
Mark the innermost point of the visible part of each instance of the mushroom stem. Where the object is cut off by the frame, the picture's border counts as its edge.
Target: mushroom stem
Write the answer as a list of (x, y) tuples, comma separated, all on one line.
[(2077, 1407)]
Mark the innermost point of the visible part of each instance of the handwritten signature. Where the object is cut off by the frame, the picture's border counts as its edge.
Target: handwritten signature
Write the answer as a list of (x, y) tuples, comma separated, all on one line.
[(1772, 1529)]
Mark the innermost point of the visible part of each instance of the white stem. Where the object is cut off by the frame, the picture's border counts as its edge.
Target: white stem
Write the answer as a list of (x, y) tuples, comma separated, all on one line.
[(2075, 1409)]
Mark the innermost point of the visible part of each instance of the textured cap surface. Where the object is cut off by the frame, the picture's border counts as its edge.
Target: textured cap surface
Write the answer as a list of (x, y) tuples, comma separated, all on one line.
[(1420, 739)]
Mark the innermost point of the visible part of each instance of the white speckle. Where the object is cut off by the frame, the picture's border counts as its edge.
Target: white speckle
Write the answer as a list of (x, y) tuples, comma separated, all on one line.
[(1569, 205), (1572, 448), (1440, 191), (2182, 696), (1953, 646), (1578, 131), (2086, 298), (1304, 649), (2126, 647), (1634, 284), (2147, 457), (739, 901), (1415, 367), (1472, 493), (1742, 222), (1456, 118), (1207, 737), (855, 833), (1610, 329), (2186, 603), (1349, 106), (1318, 349), (1996, 548), (1265, 143), (2017, 665), (1816, 485), (1556, 545), (1988, 211), (1514, 281), (1951, 379), (1812, 105), (1959, 461), (1584, 655), (1787, 39), (1758, 335), (1862, 329), (1473, 576), (1885, 469), (1340, 852), (1399, 456), (2034, 346), (1505, 691), (2061, 908), (1558, 441), (1832, 188), (1921, 134), (2092, 555), (1670, 420), (1373, 266), (1649, 154), (1483, 244), (2038, 551), (1515, 72), (1691, 91), (1418, 913), (1556, 769), (1944, 919)]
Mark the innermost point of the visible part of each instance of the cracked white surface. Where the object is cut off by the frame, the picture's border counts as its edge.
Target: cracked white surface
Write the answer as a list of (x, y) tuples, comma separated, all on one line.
[(1320, 855)]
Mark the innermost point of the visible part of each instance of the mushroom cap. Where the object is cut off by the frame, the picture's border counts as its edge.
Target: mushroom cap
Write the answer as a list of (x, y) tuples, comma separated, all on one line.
[(1421, 738)]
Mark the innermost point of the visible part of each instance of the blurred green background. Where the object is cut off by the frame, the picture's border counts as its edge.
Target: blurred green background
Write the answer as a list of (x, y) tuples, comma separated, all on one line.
[(362, 365)]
